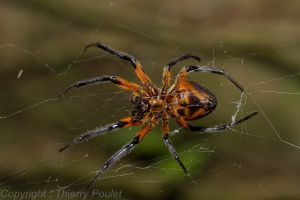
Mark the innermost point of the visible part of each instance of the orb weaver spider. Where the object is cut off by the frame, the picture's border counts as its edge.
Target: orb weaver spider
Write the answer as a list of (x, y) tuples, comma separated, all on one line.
[(184, 101)]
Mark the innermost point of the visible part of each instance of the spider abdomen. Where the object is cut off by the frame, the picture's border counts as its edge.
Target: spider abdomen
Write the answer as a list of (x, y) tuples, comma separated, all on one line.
[(194, 101)]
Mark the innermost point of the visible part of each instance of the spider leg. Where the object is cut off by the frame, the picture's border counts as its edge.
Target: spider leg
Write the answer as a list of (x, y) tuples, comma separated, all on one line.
[(133, 61), (169, 145), (167, 68), (114, 158), (125, 149), (126, 122), (174, 61), (222, 127), (215, 71), (122, 83), (215, 128), (185, 70)]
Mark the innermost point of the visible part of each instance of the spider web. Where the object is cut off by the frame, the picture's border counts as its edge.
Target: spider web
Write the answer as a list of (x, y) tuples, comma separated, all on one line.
[(258, 158)]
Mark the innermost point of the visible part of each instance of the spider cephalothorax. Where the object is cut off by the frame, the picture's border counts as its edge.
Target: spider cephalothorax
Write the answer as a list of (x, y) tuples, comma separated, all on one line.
[(141, 106), (184, 101)]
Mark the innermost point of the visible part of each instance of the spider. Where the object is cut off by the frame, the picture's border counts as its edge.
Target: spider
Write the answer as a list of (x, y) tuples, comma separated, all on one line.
[(184, 101)]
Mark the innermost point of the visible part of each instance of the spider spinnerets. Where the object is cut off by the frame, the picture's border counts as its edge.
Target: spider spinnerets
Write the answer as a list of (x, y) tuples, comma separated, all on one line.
[(183, 100)]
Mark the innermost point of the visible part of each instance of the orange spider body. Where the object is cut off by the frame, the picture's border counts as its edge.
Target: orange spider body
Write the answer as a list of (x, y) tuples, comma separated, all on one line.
[(193, 101), (184, 101)]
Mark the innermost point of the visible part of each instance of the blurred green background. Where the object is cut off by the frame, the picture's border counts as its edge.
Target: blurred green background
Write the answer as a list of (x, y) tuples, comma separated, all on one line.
[(257, 42)]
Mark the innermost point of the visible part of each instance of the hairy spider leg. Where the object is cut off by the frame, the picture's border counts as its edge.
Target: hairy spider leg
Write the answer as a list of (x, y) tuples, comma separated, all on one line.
[(211, 129), (125, 149), (168, 143), (122, 83), (188, 69), (133, 61), (222, 127), (167, 69), (123, 123)]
